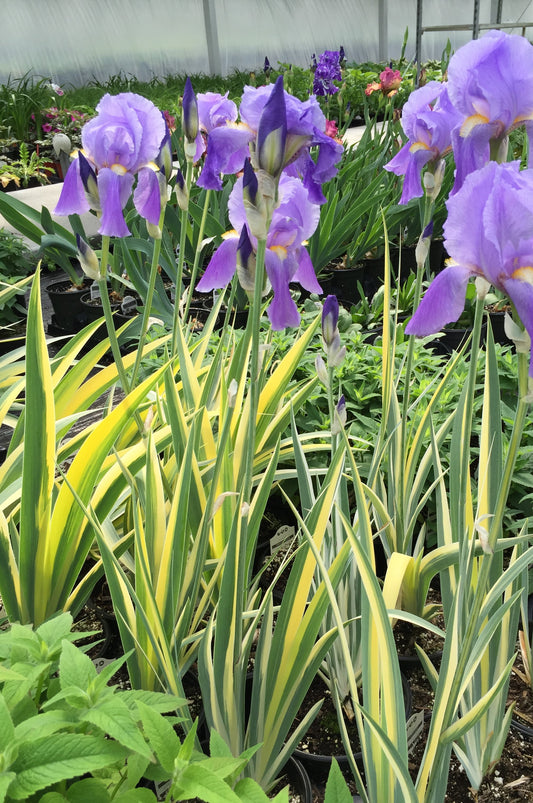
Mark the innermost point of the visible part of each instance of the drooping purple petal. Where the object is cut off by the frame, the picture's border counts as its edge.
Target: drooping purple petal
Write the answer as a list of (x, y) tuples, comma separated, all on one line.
[(521, 294), (314, 174), (283, 311), (305, 275), (72, 199), (443, 302), (221, 267), (227, 148), (147, 195), (114, 191)]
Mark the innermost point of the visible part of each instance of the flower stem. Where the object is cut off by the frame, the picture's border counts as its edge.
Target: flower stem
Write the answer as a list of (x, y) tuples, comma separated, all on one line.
[(197, 254), (181, 259), (108, 314), (148, 302), (253, 393)]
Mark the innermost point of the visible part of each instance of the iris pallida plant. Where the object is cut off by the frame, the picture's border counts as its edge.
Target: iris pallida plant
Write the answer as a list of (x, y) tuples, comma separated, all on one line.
[(488, 236), (45, 537), (274, 213), (503, 259)]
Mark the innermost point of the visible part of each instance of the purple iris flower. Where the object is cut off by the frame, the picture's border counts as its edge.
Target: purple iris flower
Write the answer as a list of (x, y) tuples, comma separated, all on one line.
[(491, 85), (488, 233), (294, 220), (215, 110), (305, 129), (124, 140), (328, 69), (226, 141), (428, 119)]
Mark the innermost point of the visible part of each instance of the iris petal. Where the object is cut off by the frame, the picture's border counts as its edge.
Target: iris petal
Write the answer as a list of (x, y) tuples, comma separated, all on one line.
[(521, 294), (114, 192), (443, 302), (283, 311), (72, 199), (305, 275), (221, 267), (147, 195), (227, 148)]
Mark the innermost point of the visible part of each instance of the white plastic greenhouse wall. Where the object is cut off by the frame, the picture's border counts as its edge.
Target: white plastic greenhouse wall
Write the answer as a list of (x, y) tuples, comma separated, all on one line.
[(74, 41)]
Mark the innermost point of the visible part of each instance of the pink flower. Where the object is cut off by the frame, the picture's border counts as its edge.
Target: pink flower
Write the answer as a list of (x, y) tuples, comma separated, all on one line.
[(47, 128), (390, 80), (373, 87), (170, 120), (331, 129)]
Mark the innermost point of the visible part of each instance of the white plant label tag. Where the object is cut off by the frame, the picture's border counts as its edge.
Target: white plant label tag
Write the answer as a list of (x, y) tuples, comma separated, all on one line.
[(283, 535), (414, 728), (95, 291), (129, 304), (100, 663)]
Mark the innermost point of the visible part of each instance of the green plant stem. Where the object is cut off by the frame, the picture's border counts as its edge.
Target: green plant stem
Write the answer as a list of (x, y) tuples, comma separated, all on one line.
[(420, 269), (459, 515), (197, 253), (426, 217), (181, 259), (148, 302), (106, 305), (254, 321)]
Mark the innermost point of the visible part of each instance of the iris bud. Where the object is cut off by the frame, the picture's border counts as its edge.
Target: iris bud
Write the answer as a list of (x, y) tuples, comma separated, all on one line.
[(88, 260), (246, 262), (340, 417), (88, 178), (272, 132), (181, 191), (190, 119), (253, 202)]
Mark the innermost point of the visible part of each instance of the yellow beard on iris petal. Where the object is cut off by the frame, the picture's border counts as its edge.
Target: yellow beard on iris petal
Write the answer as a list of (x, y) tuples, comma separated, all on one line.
[(523, 274), (471, 122)]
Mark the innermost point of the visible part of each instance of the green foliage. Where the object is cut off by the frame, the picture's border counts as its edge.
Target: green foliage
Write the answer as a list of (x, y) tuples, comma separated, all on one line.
[(22, 170), (15, 264), (21, 102), (67, 733)]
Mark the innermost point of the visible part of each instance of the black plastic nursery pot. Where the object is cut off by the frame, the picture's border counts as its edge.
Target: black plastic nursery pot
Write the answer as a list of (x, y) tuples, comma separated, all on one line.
[(299, 780), (69, 316), (344, 282), (318, 765)]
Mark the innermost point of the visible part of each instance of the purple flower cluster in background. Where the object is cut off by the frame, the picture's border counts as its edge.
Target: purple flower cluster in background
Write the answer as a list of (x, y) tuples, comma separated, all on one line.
[(281, 141), (273, 142), (327, 70), (488, 94), (488, 233), (489, 229)]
